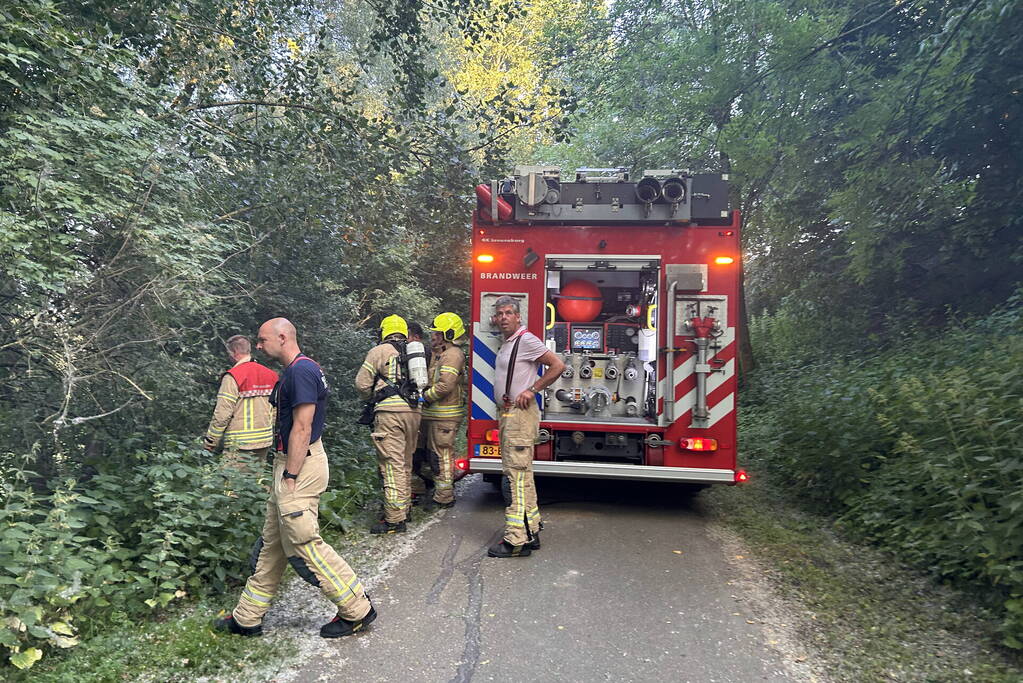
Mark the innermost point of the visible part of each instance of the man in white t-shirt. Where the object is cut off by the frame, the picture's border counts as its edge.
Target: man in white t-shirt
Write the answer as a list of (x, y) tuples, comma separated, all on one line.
[(516, 384)]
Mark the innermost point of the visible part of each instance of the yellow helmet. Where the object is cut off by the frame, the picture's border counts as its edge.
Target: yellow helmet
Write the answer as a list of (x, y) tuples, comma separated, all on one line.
[(393, 324), (450, 325)]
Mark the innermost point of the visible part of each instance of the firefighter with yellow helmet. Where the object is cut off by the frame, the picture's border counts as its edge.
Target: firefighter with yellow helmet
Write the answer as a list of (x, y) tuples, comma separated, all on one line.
[(384, 379), (444, 401)]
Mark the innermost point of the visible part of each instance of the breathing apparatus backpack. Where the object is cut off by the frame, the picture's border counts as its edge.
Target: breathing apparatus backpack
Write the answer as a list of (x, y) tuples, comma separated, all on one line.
[(403, 387)]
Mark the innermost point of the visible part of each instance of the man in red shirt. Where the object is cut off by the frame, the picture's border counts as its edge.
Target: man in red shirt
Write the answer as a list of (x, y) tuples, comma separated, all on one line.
[(243, 420)]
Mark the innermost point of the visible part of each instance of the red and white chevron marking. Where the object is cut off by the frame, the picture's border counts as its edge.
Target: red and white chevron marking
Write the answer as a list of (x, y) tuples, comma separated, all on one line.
[(720, 385)]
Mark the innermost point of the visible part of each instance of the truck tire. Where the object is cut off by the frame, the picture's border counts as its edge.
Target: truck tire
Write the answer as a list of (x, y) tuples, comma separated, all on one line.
[(501, 483)]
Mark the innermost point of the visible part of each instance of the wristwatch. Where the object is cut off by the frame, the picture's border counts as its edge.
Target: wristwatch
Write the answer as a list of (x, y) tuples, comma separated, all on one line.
[(289, 475)]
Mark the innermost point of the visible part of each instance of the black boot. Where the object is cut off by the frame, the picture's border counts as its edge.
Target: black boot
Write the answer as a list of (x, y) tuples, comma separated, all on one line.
[(338, 627), (229, 625), (506, 549), (385, 527), (535, 543)]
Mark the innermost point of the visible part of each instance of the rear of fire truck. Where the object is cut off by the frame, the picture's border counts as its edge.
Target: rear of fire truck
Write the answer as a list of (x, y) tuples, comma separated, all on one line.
[(634, 283)]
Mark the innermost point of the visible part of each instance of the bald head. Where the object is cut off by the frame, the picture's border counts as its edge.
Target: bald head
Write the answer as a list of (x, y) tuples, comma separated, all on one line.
[(281, 326), (278, 339)]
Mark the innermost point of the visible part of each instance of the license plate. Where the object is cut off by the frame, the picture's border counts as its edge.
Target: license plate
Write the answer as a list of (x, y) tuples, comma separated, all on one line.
[(488, 451)]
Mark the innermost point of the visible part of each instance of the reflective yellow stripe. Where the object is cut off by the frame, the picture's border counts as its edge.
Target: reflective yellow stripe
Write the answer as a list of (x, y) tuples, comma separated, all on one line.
[(340, 587), (231, 398), (256, 597), (516, 518), (448, 368), (252, 601), (443, 411), (369, 367), (253, 439), (259, 430), (391, 490)]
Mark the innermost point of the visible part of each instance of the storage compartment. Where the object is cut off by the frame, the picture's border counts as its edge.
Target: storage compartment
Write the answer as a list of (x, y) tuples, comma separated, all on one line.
[(597, 311)]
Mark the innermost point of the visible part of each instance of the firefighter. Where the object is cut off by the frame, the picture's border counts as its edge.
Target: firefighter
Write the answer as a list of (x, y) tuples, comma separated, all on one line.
[(291, 533), (384, 379), (444, 402), (422, 458), (242, 424), (515, 388)]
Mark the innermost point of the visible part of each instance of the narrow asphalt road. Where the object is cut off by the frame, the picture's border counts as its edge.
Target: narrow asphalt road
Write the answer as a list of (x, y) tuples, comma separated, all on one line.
[(628, 586)]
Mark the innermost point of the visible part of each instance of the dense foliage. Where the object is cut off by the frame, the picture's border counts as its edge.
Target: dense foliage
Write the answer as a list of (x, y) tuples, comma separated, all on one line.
[(918, 449), (172, 524)]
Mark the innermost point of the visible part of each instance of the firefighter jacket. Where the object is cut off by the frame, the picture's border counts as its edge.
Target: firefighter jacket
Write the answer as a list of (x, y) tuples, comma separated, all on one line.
[(381, 362), (445, 398), (243, 417)]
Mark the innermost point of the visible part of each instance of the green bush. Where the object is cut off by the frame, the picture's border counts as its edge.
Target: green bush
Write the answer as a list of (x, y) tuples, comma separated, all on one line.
[(917, 447), (134, 537)]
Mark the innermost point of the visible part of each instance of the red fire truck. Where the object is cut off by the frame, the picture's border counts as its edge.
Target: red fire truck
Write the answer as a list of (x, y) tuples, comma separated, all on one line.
[(634, 283)]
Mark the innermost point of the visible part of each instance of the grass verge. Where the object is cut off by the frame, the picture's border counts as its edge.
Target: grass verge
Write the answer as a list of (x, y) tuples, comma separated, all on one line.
[(179, 646), (868, 618)]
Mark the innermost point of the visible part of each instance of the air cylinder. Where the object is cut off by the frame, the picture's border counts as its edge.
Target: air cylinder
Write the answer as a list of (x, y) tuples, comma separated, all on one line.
[(416, 355)]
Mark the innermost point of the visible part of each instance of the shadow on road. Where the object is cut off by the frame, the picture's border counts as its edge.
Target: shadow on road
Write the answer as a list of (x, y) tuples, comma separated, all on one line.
[(640, 495)]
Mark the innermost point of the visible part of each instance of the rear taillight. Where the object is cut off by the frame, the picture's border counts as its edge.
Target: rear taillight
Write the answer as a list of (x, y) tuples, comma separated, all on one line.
[(462, 465), (698, 443), (741, 476), (491, 435)]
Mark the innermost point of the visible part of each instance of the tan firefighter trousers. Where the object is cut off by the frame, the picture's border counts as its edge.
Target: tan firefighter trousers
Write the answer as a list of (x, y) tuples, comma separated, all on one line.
[(291, 535), (394, 436), (518, 429), (440, 438), (245, 461)]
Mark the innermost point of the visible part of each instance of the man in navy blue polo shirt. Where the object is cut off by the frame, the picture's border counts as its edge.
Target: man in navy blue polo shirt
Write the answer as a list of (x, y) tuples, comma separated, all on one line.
[(291, 533)]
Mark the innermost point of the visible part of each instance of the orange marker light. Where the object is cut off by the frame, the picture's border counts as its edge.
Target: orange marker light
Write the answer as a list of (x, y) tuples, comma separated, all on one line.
[(723, 260), (485, 258), (491, 435), (698, 443)]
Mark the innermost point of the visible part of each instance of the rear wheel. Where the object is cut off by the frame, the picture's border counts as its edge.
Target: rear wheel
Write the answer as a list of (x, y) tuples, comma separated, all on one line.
[(501, 483), (506, 490)]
